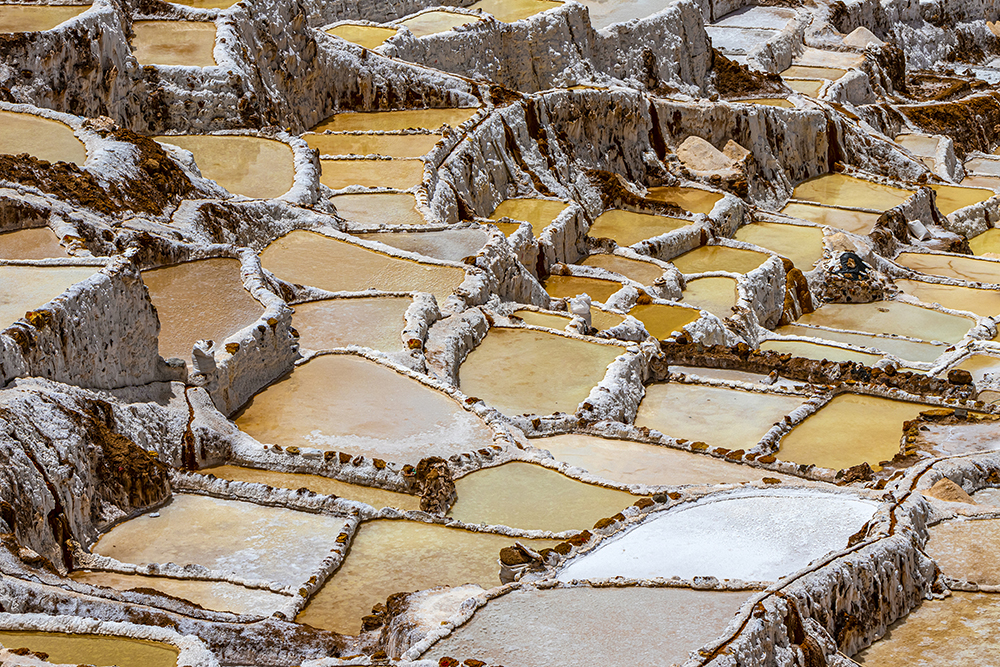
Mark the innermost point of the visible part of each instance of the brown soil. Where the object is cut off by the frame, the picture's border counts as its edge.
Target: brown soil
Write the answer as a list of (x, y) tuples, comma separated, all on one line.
[(930, 87), (735, 80), (973, 123)]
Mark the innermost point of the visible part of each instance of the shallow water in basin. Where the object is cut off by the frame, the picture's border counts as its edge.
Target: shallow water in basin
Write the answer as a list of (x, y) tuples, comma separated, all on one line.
[(450, 244), (950, 198), (93, 649), (309, 258), (987, 243), (982, 166), (984, 302), (856, 222), (967, 550), (388, 557), (349, 404), (181, 301), (368, 36), (922, 145), (716, 295), (644, 273), (718, 258), (662, 320), (45, 139), (570, 626), (38, 243), (382, 208), (904, 349), (24, 288), (375, 322), (628, 228), (981, 365), (694, 200), (842, 190), (249, 166), (977, 181), (807, 87), (818, 351), (803, 245), (401, 174), (849, 430), (530, 497), (187, 43), (702, 413), (892, 317), (768, 102), (257, 542), (539, 212), (570, 286), (389, 145), (549, 320), (510, 11), (951, 266), (207, 4), (431, 23), (388, 121), (811, 72), (35, 18), (519, 371)]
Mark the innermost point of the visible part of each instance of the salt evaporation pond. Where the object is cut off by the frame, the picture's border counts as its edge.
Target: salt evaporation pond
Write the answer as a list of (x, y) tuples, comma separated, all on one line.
[(604, 13), (248, 166), (539, 212), (42, 138), (510, 11), (181, 300), (986, 243), (807, 87), (450, 245), (812, 72), (38, 243), (856, 222), (389, 557), (662, 320), (378, 208), (389, 145), (967, 550), (843, 190), (628, 227), (703, 413), (716, 295), (803, 245), (36, 18), (401, 174), (309, 258), (346, 403), (561, 287), (521, 371), (433, 22), (368, 36), (188, 43), (644, 273), (818, 351), (207, 4), (890, 317), (849, 430), (984, 302), (100, 650), (375, 322), (752, 537), (951, 198), (570, 626), (36, 286), (922, 145), (981, 365), (530, 497), (904, 349), (952, 266), (694, 200), (718, 258), (780, 102), (390, 121), (627, 462), (548, 320), (253, 541)]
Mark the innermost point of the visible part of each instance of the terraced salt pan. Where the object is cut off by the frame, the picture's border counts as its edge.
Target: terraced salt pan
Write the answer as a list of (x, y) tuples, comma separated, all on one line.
[(450, 244), (254, 541), (38, 243), (401, 174), (849, 430), (388, 557), (627, 227), (773, 18), (981, 365), (42, 138), (922, 145), (389, 145), (537, 319), (731, 374), (188, 43), (818, 351), (983, 166), (509, 11), (987, 243), (842, 190), (951, 198), (374, 322), (662, 320), (604, 13), (891, 317), (807, 87), (951, 266), (769, 102), (389, 121), (803, 245), (181, 300), (984, 302), (345, 403), (644, 273), (904, 349), (753, 537), (716, 295), (703, 413), (570, 626), (530, 497), (207, 4), (627, 462), (987, 182), (694, 200), (92, 649), (539, 212), (521, 371), (967, 549), (368, 36), (35, 18), (24, 288), (813, 72), (957, 631), (431, 23), (309, 258), (248, 166), (372, 210), (718, 258), (737, 40), (569, 286), (856, 222)]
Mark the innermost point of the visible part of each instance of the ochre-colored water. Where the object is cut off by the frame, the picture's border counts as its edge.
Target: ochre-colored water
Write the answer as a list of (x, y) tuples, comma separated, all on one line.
[(809, 72), (644, 273), (543, 319), (309, 258), (389, 557), (627, 228), (769, 102), (980, 365), (519, 371), (718, 258), (35, 18), (382, 208), (508, 228), (950, 266), (374, 322), (694, 200), (189, 312), (922, 145), (24, 288), (716, 295), (662, 320), (388, 121), (539, 212), (950, 198), (37, 243), (187, 43), (570, 286), (803, 245), (849, 430), (400, 174), (807, 87), (510, 11), (601, 319), (389, 145), (431, 23), (349, 404), (530, 497), (701, 413), (967, 550), (92, 649), (856, 222), (628, 462), (368, 36), (904, 349), (818, 351), (985, 302), (371, 495), (45, 139), (892, 317), (987, 243), (249, 166), (842, 190), (450, 244)]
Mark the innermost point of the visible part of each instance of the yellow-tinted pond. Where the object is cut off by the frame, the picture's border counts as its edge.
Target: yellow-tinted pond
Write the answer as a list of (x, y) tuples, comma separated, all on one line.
[(891, 317), (389, 145), (718, 258), (842, 190), (388, 121), (24, 288), (38, 243), (187, 43), (539, 212), (35, 18), (530, 497), (950, 198), (849, 430), (371, 495), (510, 11), (452, 245), (662, 320), (628, 462), (382, 208), (984, 302), (721, 417), (807, 87), (92, 649), (810, 72), (519, 371), (644, 273), (904, 349), (570, 286), (207, 4), (204, 299), (309, 258), (803, 245), (980, 365), (349, 404), (389, 557), (368, 36), (768, 102), (951, 266), (694, 200), (716, 295), (856, 222), (922, 145), (249, 166), (818, 351), (628, 228), (549, 320), (42, 138), (374, 322), (987, 243), (431, 23), (401, 174)]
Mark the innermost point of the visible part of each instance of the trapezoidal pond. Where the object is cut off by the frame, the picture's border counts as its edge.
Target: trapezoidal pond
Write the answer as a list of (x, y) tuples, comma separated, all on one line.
[(799, 243), (694, 200), (628, 227), (248, 166), (389, 121), (902, 348), (375, 322), (38, 243), (378, 208), (368, 36), (540, 213), (98, 650), (663, 320), (388, 145), (718, 258), (716, 295), (818, 351), (42, 138), (187, 43), (644, 273), (843, 190), (25, 288), (854, 221), (966, 549), (565, 287), (952, 266), (36, 18), (433, 22), (450, 245), (399, 174), (983, 302), (891, 317)]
